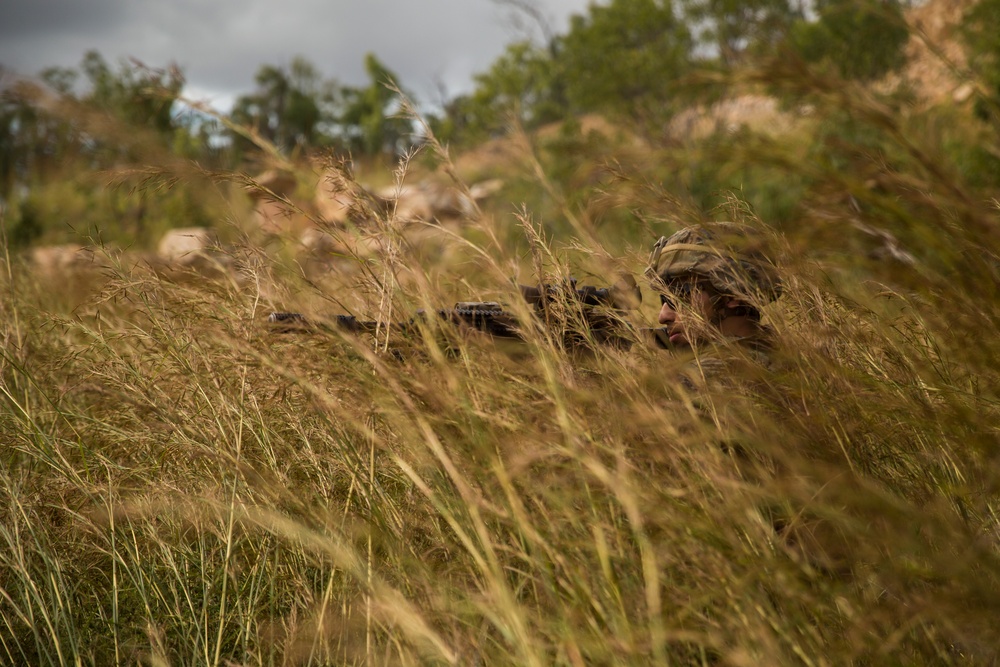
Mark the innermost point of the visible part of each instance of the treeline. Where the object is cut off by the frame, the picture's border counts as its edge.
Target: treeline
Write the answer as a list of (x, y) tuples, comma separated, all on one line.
[(636, 62), (641, 60), (68, 134)]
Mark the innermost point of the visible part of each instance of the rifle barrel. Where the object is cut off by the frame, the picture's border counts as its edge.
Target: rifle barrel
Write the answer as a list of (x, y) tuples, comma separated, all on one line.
[(490, 317)]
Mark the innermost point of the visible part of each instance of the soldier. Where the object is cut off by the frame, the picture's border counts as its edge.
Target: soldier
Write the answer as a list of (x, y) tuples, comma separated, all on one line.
[(713, 280)]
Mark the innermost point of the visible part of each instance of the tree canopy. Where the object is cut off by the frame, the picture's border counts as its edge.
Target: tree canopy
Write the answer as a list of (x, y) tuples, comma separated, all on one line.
[(733, 28), (370, 119), (861, 39), (295, 108), (289, 105), (625, 57)]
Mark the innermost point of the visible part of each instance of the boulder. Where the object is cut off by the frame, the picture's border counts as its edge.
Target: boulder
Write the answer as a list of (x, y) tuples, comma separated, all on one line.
[(272, 217), (281, 183), (62, 259), (271, 212), (759, 113), (486, 189), (337, 200), (333, 206), (408, 203), (188, 247), (433, 202)]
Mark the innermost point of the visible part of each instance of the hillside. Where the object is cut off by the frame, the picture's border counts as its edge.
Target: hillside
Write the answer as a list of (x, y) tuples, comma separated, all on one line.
[(935, 55)]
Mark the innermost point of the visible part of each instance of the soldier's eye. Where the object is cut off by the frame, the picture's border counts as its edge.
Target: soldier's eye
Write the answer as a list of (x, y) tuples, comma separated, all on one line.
[(665, 300)]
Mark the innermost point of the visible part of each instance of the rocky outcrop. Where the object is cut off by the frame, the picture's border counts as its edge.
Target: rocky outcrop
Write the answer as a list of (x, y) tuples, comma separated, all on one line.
[(935, 51), (433, 202), (755, 112), (427, 201)]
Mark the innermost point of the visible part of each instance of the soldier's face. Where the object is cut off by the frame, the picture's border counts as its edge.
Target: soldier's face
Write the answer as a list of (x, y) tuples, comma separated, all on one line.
[(687, 308)]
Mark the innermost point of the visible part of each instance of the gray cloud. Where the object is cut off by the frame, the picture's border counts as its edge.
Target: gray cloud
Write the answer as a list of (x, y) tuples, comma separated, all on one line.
[(220, 43)]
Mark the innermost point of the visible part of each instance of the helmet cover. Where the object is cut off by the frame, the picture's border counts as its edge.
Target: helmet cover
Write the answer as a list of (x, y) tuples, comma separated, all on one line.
[(729, 256)]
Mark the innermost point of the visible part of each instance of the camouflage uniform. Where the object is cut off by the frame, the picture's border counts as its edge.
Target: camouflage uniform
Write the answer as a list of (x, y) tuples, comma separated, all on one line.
[(722, 371), (724, 382)]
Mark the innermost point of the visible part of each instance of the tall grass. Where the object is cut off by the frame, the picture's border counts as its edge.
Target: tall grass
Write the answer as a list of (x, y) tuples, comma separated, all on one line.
[(180, 486)]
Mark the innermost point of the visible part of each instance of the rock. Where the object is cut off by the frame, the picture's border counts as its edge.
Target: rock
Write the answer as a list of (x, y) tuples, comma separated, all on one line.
[(935, 51), (433, 202), (963, 92), (485, 189), (62, 259), (336, 198), (316, 242), (333, 207), (447, 202), (759, 113), (188, 247), (272, 217), (271, 212), (281, 183), (408, 203)]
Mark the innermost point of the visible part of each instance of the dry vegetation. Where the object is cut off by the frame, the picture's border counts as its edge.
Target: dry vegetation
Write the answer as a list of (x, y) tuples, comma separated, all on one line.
[(180, 486)]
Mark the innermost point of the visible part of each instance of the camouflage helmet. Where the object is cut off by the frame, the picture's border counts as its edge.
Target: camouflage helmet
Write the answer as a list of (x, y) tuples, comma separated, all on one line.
[(729, 256)]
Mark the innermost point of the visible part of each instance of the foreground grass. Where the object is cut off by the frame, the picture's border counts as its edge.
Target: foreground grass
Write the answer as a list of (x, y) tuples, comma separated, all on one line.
[(180, 486)]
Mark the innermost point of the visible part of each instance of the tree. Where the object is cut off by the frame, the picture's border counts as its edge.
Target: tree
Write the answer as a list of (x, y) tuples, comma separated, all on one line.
[(292, 107), (140, 96), (369, 119), (519, 84), (625, 57), (20, 147), (60, 79), (861, 39), (58, 130), (734, 27), (46, 123)]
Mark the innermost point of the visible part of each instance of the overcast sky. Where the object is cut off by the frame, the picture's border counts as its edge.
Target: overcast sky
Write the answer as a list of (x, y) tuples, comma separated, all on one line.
[(219, 44)]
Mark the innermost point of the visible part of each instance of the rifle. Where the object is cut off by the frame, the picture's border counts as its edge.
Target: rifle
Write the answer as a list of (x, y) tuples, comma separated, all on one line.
[(601, 308)]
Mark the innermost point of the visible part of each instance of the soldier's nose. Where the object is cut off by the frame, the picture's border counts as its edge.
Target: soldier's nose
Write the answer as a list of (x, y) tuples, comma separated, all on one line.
[(667, 314)]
